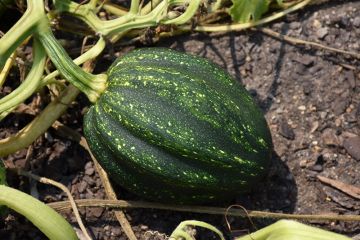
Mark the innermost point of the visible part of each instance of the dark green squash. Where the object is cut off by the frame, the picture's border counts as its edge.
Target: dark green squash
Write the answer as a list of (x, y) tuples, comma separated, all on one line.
[(172, 126)]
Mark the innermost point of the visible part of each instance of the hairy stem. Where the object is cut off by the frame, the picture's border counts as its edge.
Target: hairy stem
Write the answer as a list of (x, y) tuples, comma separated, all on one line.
[(91, 85)]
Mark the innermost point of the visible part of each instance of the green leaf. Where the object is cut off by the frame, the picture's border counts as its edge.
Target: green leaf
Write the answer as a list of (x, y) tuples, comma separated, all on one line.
[(243, 11)]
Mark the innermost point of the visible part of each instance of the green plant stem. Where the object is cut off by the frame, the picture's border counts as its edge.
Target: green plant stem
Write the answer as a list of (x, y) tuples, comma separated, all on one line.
[(31, 83), (149, 6), (64, 205), (291, 230), (180, 231), (42, 216), (23, 28), (131, 20), (50, 114), (114, 9), (134, 7), (90, 54), (242, 26), (40, 124), (91, 85), (187, 15)]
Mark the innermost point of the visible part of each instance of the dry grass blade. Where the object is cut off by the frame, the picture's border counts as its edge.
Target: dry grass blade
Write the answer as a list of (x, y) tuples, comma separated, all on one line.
[(64, 189), (297, 41), (343, 187), (62, 206), (75, 136)]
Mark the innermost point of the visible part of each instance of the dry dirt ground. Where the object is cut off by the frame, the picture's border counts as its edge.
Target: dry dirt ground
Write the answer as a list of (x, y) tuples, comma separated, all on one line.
[(311, 99)]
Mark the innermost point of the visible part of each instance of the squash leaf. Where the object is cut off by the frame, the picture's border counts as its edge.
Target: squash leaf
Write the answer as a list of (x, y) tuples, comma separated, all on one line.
[(243, 11)]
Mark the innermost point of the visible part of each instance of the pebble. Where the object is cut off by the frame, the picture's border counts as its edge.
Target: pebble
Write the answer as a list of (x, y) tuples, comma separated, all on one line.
[(302, 108), (356, 22), (317, 168), (89, 180), (350, 77), (82, 186), (322, 32), (329, 137), (89, 171), (286, 131), (95, 211), (352, 146), (339, 106), (305, 60)]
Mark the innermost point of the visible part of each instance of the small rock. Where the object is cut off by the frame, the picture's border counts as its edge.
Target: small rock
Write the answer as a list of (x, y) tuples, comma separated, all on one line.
[(82, 186), (89, 180), (89, 171), (95, 211), (116, 232), (317, 23), (286, 131), (339, 106), (304, 60), (295, 25), (352, 146), (89, 164), (317, 168), (322, 32), (329, 137), (144, 227), (302, 108), (303, 163), (356, 22), (350, 77)]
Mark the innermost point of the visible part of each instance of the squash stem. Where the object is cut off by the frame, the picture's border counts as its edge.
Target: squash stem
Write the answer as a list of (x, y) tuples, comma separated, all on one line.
[(28, 87), (49, 115), (286, 229), (148, 16), (52, 224), (90, 54), (91, 85), (22, 29)]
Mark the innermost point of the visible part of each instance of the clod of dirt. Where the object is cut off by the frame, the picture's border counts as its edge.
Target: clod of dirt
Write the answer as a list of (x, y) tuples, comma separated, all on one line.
[(352, 146)]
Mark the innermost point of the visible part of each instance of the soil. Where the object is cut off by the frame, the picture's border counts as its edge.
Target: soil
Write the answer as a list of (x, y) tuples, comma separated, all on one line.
[(311, 100)]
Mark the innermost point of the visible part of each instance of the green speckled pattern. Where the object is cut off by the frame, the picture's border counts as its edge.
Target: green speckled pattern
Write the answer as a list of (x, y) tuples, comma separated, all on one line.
[(175, 126)]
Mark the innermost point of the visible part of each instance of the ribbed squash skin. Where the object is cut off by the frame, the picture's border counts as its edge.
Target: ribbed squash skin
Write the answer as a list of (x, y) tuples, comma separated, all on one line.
[(171, 126)]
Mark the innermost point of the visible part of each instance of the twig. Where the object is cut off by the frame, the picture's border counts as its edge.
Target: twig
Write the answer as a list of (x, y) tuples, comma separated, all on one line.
[(343, 187), (120, 216), (64, 205), (64, 189), (297, 41), (75, 136)]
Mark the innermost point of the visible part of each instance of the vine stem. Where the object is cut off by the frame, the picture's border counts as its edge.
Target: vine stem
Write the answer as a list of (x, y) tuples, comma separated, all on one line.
[(65, 205), (242, 26), (48, 116), (23, 28), (52, 224), (31, 83)]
